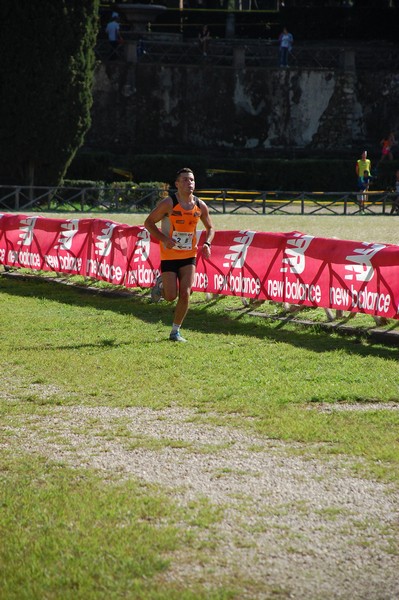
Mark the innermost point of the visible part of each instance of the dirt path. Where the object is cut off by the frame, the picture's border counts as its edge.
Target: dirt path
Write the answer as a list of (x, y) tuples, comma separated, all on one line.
[(293, 526)]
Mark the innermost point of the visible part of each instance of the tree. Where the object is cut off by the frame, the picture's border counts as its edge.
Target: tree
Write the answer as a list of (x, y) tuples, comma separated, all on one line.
[(46, 74)]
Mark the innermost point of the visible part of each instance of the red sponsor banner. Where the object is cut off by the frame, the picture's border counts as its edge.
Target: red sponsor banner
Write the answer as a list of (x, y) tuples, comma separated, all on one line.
[(20, 244), (283, 267), (302, 269), (143, 259), (107, 251), (67, 244), (44, 244)]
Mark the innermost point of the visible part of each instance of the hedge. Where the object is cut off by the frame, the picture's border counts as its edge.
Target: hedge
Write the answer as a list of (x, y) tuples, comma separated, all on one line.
[(307, 174)]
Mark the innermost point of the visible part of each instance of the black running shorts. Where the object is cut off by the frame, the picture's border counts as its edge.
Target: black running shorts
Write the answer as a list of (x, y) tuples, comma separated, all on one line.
[(173, 266)]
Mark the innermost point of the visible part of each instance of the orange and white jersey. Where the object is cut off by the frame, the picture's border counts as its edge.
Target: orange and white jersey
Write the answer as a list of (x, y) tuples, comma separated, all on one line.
[(181, 225)]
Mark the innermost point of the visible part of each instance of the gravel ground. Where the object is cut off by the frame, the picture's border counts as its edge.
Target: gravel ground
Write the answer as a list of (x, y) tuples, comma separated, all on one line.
[(292, 526)]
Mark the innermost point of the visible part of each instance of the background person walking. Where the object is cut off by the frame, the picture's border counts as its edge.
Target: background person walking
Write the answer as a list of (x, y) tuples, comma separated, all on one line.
[(204, 37), (286, 41), (114, 35)]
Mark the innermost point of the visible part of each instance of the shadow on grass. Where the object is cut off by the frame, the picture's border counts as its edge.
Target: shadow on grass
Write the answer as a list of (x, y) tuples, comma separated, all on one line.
[(200, 318)]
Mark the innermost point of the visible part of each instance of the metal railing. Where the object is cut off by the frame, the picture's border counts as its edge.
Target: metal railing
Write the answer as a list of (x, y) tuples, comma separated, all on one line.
[(78, 199), (298, 203), (250, 53), (224, 201)]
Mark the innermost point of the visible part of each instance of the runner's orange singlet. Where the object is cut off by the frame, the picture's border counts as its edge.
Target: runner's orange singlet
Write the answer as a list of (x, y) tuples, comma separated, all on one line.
[(181, 225)]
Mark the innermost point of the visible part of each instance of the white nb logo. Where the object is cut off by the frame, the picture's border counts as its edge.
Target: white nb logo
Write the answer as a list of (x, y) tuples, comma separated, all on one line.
[(26, 231), (295, 256), (143, 245), (70, 229), (238, 252), (362, 270), (104, 241)]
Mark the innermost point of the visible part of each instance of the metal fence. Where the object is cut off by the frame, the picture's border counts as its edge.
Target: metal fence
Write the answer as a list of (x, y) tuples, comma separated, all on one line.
[(298, 203), (223, 201), (250, 53), (79, 199)]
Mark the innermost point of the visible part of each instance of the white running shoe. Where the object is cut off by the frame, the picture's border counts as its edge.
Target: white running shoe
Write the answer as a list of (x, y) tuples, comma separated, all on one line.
[(176, 337)]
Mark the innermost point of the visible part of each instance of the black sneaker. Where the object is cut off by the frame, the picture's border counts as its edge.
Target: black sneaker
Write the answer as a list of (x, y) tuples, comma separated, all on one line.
[(156, 291)]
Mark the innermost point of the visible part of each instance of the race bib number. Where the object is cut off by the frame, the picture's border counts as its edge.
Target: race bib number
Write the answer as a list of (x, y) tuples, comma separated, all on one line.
[(183, 240)]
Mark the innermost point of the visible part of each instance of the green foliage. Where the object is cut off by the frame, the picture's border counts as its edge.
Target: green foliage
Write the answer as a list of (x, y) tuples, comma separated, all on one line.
[(116, 196), (299, 174), (144, 195), (82, 183), (46, 75)]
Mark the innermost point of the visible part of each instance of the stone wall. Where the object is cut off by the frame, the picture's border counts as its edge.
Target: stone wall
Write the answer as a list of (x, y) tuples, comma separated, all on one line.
[(155, 108)]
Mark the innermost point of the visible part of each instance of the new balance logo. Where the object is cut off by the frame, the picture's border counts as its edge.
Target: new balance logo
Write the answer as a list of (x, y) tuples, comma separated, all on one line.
[(26, 231), (238, 251), (294, 258), (362, 270), (70, 229), (143, 246), (104, 242)]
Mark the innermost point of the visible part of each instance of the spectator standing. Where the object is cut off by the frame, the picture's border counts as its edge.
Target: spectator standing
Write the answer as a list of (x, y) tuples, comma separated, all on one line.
[(179, 215), (286, 41), (362, 165), (114, 36), (395, 203), (204, 37), (386, 146), (363, 184)]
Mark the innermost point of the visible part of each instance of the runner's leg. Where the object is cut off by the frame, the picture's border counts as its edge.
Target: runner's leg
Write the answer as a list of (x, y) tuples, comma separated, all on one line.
[(186, 280), (170, 289)]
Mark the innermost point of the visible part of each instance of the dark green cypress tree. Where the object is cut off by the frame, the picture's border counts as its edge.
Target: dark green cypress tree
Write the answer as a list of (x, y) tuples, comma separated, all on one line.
[(46, 74)]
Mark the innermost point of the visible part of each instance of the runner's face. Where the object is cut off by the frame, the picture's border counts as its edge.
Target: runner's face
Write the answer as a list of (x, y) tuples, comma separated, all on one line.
[(185, 183)]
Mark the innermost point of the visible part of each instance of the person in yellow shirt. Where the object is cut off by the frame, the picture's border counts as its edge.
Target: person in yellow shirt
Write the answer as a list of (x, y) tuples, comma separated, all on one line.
[(362, 165), (179, 215)]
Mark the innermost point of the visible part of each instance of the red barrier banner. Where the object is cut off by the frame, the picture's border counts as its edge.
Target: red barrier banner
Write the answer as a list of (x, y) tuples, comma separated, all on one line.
[(106, 256), (282, 267), (143, 259), (302, 269)]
